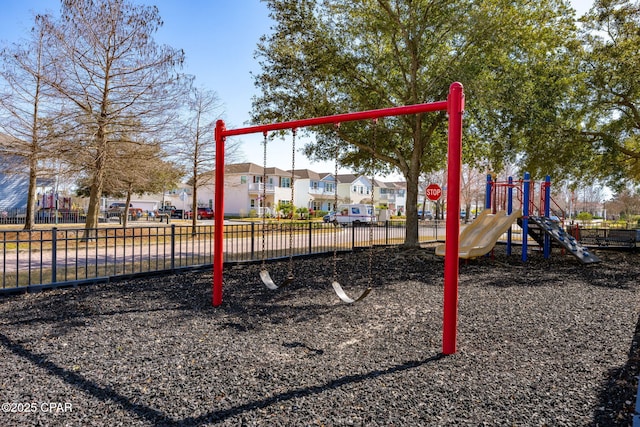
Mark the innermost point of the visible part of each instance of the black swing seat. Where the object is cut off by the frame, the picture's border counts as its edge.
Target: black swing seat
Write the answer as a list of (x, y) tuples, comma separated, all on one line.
[(344, 297), (269, 283)]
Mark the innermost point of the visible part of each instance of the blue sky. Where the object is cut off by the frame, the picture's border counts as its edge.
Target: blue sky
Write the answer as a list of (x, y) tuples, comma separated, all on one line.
[(219, 38)]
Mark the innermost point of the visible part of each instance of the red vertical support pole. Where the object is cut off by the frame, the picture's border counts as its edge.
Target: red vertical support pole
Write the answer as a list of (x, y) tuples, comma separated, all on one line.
[(218, 236), (455, 110)]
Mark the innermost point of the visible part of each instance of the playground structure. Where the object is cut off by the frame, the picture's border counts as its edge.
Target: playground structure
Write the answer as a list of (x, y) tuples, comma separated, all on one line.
[(454, 106), (538, 220), (479, 237)]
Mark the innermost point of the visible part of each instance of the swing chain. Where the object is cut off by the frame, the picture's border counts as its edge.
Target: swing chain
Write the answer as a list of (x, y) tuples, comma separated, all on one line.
[(264, 199), (373, 208), (293, 208), (335, 203)]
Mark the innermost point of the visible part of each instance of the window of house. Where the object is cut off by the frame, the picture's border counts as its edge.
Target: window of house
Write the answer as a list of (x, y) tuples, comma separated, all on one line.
[(285, 182), (252, 203), (328, 187), (243, 179), (257, 178)]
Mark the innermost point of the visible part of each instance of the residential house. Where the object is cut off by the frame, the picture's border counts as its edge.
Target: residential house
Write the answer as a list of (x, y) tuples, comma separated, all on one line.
[(391, 195), (244, 189), (14, 187), (354, 189), (315, 191)]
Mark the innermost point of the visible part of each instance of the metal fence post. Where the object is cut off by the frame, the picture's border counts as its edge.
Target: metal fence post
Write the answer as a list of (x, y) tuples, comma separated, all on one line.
[(253, 240), (525, 215), (173, 247), (353, 237), (386, 231), (54, 255), (310, 239)]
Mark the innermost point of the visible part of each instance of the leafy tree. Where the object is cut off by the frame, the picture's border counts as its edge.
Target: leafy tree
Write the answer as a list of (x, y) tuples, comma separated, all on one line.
[(333, 56), (115, 80), (611, 71)]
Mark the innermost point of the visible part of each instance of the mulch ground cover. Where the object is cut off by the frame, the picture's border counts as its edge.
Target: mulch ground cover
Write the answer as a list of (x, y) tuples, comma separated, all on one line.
[(547, 342)]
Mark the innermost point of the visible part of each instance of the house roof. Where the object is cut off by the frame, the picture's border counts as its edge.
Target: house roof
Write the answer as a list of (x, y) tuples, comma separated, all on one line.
[(248, 168), (306, 174), (346, 178), (280, 172), (253, 169), (382, 184)]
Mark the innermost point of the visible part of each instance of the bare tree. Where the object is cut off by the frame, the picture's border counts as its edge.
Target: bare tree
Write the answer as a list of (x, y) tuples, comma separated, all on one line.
[(472, 185), (194, 147), (25, 115), (117, 81)]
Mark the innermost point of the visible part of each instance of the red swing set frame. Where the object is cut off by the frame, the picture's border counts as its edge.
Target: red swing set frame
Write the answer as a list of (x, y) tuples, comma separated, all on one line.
[(454, 106)]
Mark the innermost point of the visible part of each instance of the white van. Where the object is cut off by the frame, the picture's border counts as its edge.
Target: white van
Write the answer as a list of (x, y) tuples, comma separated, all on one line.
[(355, 214)]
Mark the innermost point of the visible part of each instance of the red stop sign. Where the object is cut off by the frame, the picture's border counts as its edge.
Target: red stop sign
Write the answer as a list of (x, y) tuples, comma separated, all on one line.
[(433, 192)]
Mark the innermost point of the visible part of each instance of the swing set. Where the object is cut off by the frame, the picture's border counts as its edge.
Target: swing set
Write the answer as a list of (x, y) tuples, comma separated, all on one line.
[(454, 106)]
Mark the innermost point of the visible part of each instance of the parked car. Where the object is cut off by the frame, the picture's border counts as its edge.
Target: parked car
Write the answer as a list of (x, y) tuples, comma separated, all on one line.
[(428, 215), (172, 211), (202, 213), (330, 217), (117, 209)]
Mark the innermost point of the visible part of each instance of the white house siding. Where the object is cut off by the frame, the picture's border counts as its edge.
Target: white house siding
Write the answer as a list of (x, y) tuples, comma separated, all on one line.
[(236, 196), (360, 191)]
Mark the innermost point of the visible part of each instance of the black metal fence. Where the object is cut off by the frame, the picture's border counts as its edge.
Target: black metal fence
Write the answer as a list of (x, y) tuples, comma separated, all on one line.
[(605, 237), (38, 259), (75, 216)]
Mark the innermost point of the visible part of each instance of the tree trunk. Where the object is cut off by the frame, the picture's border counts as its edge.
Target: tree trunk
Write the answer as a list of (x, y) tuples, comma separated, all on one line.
[(194, 201), (125, 214), (29, 220), (93, 211)]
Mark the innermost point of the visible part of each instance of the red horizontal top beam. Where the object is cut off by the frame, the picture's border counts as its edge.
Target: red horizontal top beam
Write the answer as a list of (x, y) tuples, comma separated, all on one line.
[(340, 118)]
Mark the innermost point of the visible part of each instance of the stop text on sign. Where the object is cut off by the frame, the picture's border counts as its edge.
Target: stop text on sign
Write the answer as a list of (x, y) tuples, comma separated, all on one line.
[(433, 192)]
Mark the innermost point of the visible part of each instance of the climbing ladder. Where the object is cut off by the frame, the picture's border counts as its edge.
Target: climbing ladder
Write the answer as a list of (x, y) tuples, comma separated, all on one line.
[(540, 226)]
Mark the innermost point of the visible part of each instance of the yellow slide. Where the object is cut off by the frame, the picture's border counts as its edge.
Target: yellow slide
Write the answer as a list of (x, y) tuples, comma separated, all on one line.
[(479, 237)]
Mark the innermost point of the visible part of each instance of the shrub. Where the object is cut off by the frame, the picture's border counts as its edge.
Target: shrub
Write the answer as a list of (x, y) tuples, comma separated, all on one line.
[(303, 213), (584, 216)]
